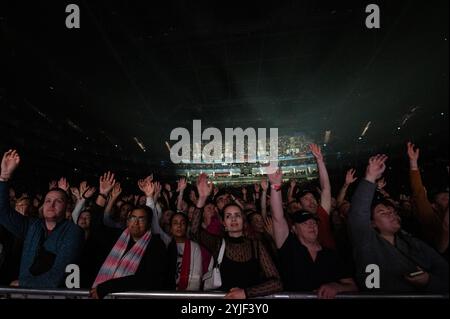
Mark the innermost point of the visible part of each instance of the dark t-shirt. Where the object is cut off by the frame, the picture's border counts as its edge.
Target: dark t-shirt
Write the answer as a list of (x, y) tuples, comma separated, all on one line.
[(300, 273)]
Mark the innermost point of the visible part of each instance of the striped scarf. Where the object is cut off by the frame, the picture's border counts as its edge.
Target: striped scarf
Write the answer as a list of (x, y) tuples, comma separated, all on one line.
[(119, 265)]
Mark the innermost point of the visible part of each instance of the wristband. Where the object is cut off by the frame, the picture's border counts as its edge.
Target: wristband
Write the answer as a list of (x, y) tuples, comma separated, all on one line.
[(102, 195), (276, 187)]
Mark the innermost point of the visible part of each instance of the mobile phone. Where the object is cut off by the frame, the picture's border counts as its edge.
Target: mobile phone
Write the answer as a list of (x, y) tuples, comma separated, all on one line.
[(417, 273)]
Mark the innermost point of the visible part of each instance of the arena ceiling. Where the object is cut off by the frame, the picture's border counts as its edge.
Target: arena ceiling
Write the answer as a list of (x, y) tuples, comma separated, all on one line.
[(86, 98)]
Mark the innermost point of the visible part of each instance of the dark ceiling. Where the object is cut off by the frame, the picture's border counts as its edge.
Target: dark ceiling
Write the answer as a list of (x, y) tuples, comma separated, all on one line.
[(138, 69)]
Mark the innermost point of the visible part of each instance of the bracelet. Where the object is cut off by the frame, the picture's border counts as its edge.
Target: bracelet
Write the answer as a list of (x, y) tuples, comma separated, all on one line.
[(102, 195), (276, 187)]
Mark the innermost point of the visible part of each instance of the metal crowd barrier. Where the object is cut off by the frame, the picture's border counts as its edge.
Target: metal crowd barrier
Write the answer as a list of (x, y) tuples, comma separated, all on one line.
[(23, 293)]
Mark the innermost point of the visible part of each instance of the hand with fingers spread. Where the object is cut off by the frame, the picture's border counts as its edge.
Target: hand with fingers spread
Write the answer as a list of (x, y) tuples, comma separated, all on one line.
[(376, 167), (83, 188), (204, 186), (413, 154), (182, 184), (350, 177), (52, 184), (116, 191), (63, 184), (89, 192), (107, 182), (147, 186), (317, 153), (75, 192), (10, 162)]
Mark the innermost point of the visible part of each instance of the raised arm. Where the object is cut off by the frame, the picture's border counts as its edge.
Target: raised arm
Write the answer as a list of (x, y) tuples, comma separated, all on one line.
[(422, 207), (14, 222), (115, 193), (325, 195), (291, 189), (149, 188), (362, 232), (264, 186), (280, 225), (182, 184), (349, 179)]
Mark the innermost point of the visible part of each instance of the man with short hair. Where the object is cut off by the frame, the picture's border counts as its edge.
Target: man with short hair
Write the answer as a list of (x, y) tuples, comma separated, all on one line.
[(405, 264), (50, 243)]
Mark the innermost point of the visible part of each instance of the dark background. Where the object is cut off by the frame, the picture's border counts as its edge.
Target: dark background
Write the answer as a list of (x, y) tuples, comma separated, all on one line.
[(72, 100)]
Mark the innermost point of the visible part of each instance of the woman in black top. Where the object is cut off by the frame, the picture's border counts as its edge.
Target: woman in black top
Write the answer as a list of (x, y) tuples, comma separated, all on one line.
[(247, 269)]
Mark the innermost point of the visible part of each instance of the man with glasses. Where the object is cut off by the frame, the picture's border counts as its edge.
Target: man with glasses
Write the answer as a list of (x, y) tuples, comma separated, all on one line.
[(138, 260)]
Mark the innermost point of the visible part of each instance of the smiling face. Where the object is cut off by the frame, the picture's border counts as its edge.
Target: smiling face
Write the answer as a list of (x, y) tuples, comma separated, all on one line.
[(385, 219), (137, 223), (233, 220), (55, 204)]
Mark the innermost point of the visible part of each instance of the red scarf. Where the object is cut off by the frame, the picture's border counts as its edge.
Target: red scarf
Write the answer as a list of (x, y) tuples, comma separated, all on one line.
[(185, 266)]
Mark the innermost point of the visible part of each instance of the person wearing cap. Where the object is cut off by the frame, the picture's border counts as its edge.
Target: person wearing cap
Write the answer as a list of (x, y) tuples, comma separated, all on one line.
[(308, 201), (402, 263), (305, 265)]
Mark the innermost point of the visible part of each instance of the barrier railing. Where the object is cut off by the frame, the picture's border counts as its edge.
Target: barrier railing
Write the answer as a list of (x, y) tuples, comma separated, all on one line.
[(23, 293)]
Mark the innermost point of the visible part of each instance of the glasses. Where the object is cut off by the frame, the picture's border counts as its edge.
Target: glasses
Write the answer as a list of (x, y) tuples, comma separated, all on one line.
[(140, 219)]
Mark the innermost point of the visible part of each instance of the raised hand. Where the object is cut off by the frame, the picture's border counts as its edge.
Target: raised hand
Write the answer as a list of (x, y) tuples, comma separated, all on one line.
[(148, 187), (381, 183), (52, 184), (167, 187), (75, 192), (204, 187), (63, 184), (182, 184), (158, 188), (275, 178), (264, 184), (350, 176), (83, 187), (376, 167), (116, 191), (107, 182), (89, 192), (10, 161), (413, 154), (315, 150)]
